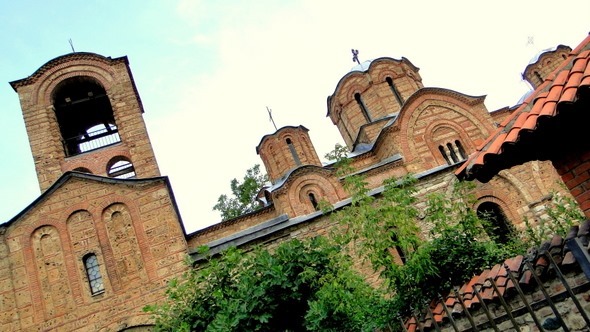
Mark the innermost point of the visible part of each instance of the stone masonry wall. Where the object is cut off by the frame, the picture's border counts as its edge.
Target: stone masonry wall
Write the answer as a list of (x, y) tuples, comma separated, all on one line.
[(132, 229), (36, 98)]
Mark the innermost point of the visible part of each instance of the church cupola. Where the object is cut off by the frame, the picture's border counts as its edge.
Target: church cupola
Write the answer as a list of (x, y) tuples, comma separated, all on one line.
[(370, 95), (542, 64), (83, 113), (285, 150)]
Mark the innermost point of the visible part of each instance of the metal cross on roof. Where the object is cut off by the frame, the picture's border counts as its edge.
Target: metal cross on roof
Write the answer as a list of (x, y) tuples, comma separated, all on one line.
[(355, 56), (271, 119)]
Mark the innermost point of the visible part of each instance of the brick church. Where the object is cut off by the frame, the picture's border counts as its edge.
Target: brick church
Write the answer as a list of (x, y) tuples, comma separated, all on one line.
[(105, 236)]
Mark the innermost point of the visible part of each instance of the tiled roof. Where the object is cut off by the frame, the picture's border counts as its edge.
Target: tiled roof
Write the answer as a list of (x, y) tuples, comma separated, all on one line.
[(499, 273), (562, 87)]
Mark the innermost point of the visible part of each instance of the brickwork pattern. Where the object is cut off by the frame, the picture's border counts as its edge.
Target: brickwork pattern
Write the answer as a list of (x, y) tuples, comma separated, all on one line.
[(36, 94), (132, 229), (574, 170), (429, 118), (536, 72), (376, 95), (285, 150)]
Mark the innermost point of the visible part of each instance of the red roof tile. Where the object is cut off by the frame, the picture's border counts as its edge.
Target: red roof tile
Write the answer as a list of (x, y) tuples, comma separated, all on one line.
[(499, 273), (561, 86)]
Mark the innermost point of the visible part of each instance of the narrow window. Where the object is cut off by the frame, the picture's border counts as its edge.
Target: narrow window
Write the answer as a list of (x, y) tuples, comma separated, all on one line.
[(393, 88), (313, 201), (539, 76), (293, 152), (444, 154), (496, 223), (359, 100), (344, 125), (401, 254), (398, 249), (453, 153), (461, 150), (93, 274)]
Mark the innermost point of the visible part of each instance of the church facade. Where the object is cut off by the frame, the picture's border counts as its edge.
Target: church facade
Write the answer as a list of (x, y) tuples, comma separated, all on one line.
[(105, 236)]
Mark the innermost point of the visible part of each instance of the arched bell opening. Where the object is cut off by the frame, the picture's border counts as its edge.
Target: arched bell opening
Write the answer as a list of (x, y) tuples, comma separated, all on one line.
[(85, 115)]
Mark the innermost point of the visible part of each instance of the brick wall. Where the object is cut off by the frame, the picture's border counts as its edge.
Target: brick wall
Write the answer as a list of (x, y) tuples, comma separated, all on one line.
[(376, 94), (279, 156), (36, 97), (132, 229), (574, 170)]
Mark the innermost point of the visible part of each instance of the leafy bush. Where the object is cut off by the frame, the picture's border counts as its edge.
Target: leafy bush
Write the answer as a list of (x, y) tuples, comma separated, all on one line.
[(303, 284), (562, 213)]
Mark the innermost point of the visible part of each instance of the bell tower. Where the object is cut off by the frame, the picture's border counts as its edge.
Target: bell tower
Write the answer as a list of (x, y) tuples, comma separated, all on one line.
[(83, 113)]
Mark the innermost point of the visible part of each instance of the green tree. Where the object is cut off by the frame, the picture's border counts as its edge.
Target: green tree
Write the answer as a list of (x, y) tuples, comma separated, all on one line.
[(301, 285), (378, 226), (243, 198)]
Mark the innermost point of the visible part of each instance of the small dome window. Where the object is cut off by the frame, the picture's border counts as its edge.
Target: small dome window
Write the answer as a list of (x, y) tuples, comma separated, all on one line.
[(313, 201), (362, 106)]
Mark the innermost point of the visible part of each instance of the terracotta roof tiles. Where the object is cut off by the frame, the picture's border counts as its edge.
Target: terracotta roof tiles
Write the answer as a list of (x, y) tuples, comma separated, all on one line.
[(560, 87), (499, 273)]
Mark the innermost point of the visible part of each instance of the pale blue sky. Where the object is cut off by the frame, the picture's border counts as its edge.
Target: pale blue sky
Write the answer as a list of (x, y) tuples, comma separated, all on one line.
[(206, 70)]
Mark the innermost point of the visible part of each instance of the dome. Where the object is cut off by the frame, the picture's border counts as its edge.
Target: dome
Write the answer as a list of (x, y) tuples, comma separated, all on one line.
[(538, 55), (361, 67)]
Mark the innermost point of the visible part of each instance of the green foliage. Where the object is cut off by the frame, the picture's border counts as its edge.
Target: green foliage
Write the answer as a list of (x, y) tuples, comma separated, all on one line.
[(301, 285), (311, 285), (244, 193), (458, 248), (562, 213), (342, 163)]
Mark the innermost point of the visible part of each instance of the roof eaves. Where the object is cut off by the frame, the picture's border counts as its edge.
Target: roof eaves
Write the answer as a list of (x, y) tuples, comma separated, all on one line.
[(73, 174)]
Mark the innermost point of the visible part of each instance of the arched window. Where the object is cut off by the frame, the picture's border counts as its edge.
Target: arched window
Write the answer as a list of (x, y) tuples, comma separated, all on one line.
[(293, 151), (84, 114), (461, 150), (120, 168), (539, 76), (393, 88), (93, 274), (397, 250), (497, 225), (364, 110), (453, 153), (313, 201), (443, 152)]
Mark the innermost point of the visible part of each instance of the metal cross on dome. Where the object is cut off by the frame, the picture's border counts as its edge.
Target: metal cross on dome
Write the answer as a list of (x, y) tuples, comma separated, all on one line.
[(355, 56)]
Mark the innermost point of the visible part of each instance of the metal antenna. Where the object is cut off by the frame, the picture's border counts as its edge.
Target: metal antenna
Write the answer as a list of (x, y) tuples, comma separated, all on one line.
[(270, 116), (355, 56), (72, 45)]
